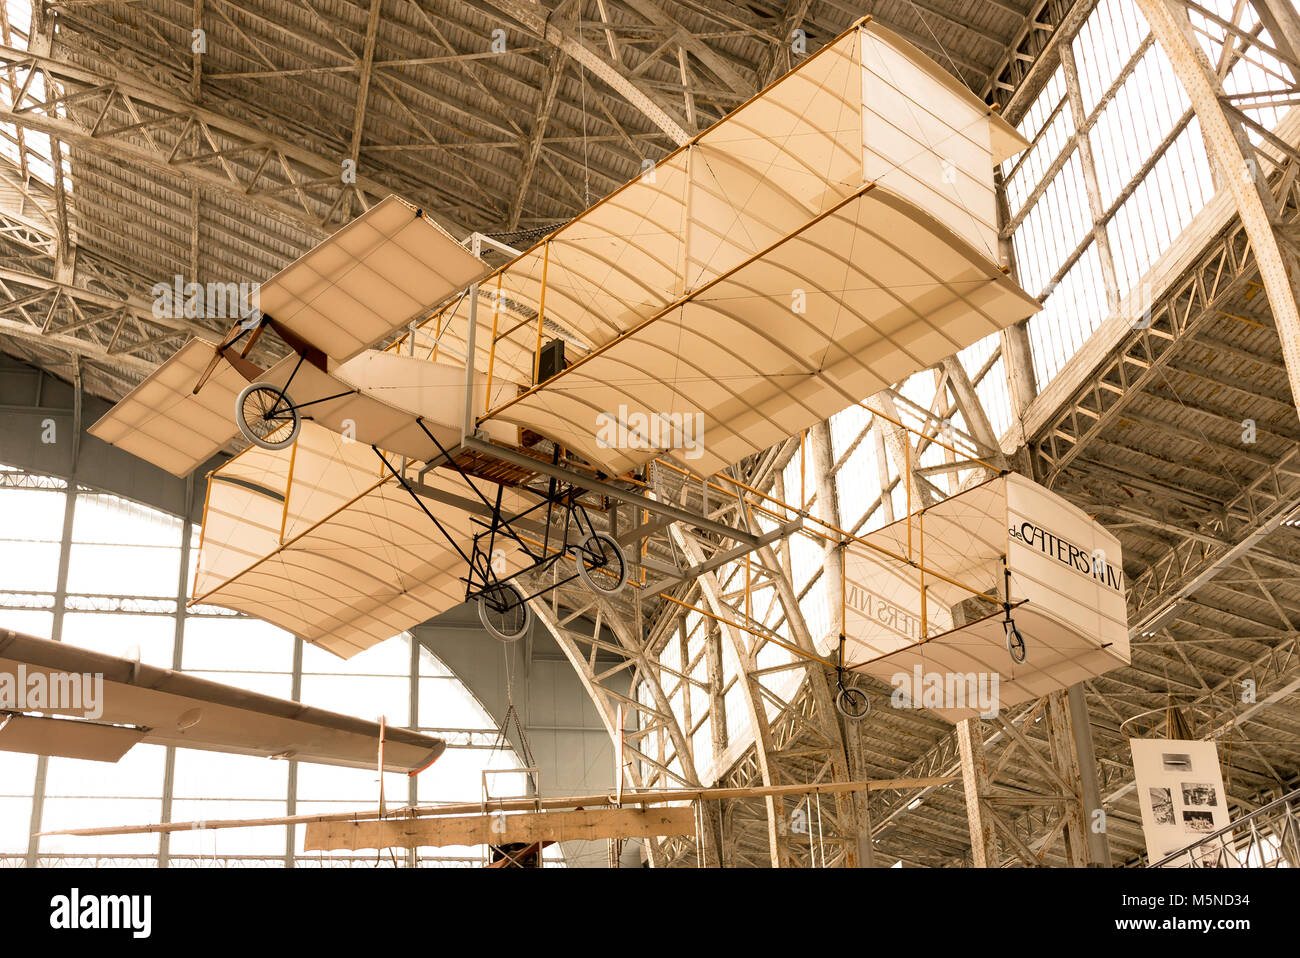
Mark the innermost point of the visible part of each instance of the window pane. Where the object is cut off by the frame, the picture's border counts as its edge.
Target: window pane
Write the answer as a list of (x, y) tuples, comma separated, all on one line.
[(151, 637)]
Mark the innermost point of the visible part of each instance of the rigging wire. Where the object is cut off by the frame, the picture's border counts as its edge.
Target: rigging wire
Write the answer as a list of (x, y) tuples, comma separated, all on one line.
[(928, 29), (582, 75)]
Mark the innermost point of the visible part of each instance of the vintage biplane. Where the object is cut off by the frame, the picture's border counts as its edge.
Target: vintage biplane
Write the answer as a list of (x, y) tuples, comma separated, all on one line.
[(828, 238), (369, 280)]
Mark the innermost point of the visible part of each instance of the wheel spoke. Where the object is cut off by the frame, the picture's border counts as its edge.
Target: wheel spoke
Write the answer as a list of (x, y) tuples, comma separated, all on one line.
[(267, 414)]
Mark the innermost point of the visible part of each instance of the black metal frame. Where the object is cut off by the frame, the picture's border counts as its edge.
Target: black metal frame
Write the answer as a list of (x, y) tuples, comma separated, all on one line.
[(844, 691), (274, 415), (482, 581), (1014, 638), (254, 374)]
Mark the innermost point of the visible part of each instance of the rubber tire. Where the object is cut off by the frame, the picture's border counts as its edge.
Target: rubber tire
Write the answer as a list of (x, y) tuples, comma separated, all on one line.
[(1012, 635), (598, 583), (484, 611), (846, 700), (248, 433)]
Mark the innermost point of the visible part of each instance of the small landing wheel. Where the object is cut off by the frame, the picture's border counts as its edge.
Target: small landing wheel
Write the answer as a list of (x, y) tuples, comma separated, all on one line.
[(852, 703), (266, 417), (601, 564), (1016, 644), (504, 612)]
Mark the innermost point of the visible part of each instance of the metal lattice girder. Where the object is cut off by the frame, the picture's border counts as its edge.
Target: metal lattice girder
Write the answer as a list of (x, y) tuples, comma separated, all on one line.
[(756, 766), (777, 60), (1021, 792), (1028, 53), (1275, 674), (756, 706), (537, 21), (651, 738), (1064, 758), (807, 740), (1229, 146), (1268, 500), (1038, 801), (28, 212), (82, 315), (60, 300), (133, 119), (805, 725), (975, 780), (1190, 305), (967, 402), (1185, 569), (921, 492), (607, 701)]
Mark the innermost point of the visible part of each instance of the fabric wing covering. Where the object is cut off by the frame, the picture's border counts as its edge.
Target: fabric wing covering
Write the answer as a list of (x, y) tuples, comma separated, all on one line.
[(1074, 622), (884, 291), (164, 422), (823, 241), (386, 268), (320, 540), (141, 703), (401, 404)]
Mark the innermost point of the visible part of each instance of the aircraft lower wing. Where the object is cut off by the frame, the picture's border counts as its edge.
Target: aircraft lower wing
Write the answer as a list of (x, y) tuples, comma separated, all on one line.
[(321, 540), (140, 703)]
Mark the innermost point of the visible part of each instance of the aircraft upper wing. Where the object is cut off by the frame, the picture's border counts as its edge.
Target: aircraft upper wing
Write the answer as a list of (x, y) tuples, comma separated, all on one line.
[(733, 370), (141, 703), (165, 422), (386, 268), (823, 241)]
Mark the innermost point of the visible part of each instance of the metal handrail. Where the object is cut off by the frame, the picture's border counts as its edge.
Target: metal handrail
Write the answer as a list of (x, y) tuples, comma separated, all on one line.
[(1284, 801)]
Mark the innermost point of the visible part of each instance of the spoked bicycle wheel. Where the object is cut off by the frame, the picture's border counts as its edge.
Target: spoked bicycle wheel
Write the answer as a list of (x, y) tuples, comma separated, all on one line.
[(266, 417), (1015, 643), (504, 612), (601, 564), (852, 703)]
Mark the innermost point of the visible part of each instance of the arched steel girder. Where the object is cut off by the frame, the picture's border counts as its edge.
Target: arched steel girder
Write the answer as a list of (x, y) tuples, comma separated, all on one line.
[(777, 826), (772, 735), (579, 621)]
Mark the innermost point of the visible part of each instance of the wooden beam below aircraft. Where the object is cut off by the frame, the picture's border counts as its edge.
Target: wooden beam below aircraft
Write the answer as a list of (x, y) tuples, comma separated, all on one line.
[(500, 828), (526, 804)]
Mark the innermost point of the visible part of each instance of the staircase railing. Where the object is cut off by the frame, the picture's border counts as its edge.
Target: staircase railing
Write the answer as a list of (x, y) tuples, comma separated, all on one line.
[(1268, 837)]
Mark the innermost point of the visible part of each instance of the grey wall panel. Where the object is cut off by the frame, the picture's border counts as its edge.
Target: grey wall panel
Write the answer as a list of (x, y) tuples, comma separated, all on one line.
[(568, 741), (28, 398)]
